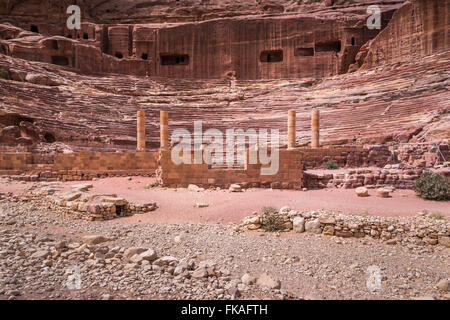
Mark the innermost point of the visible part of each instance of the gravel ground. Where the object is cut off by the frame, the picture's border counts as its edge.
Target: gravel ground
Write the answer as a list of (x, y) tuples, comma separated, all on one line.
[(38, 246)]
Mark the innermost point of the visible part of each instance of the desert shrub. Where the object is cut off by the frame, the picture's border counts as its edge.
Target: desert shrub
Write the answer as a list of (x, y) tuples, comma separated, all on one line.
[(4, 74), (331, 164), (271, 221), (365, 213), (436, 216), (152, 185), (433, 186)]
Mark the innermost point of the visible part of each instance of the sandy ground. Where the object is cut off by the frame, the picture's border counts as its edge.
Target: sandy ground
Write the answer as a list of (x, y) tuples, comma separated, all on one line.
[(178, 205)]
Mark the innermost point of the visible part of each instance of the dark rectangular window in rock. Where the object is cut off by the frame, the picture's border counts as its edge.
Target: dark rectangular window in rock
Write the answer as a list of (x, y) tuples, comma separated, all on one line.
[(55, 45), (144, 56), (328, 46), (174, 59), (85, 36), (34, 28), (271, 56), (60, 60), (304, 52)]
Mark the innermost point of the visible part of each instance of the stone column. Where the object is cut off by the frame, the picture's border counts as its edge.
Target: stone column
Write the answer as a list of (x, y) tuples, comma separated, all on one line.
[(315, 143), (291, 129), (140, 131), (164, 130)]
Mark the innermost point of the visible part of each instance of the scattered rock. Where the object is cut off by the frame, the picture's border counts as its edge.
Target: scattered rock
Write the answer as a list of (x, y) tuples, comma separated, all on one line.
[(94, 239), (299, 224), (235, 188), (265, 281), (362, 192), (443, 285), (313, 226), (247, 279)]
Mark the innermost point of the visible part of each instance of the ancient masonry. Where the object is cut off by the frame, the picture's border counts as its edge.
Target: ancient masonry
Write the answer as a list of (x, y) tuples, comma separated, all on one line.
[(82, 88)]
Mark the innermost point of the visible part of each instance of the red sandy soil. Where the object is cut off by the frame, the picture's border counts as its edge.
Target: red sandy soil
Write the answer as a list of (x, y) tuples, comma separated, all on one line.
[(178, 205)]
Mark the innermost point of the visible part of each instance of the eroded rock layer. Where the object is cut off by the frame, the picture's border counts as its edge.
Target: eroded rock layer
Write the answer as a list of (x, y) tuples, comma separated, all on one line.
[(82, 88)]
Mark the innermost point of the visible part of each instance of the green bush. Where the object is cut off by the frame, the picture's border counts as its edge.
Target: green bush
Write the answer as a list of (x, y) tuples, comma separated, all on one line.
[(152, 185), (271, 221), (4, 74), (433, 186), (331, 164)]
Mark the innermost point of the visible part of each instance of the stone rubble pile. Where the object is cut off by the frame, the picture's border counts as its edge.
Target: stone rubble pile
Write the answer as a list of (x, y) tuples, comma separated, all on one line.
[(400, 176), (83, 205), (424, 229), (97, 258)]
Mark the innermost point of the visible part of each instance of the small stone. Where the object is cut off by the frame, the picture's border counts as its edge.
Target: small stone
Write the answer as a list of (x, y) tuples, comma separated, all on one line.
[(235, 188), (299, 224), (253, 226), (202, 205), (248, 279), (328, 230), (193, 187), (284, 210), (265, 281), (165, 261), (40, 254), (444, 241), (313, 226), (149, 255), (383, 193), (443, 285), (200, 273), (94, 239), (362, 192)]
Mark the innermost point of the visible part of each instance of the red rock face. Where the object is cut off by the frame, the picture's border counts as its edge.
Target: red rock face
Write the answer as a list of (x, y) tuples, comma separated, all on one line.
[(417, 29), (83, 87), (321, 43)]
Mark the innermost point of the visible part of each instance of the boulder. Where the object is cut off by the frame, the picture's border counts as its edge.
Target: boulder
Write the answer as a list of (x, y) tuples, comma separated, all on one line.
[(383, 192), (362, 192), (299, 224), (313, 226), (235, 188)]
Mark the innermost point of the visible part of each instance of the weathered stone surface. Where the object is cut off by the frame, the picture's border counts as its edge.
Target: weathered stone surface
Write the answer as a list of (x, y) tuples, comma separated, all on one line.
[(265, 281), (149, 255), (383, 193), (299, 224), (313, 226), (362, 192), (94, 239)]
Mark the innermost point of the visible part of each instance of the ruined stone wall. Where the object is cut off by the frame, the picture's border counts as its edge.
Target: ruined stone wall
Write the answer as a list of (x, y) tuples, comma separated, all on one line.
[(76, 166), (419, 28), (289, 175), (394, 176), (15, 161), (106, 161), (347, 156)]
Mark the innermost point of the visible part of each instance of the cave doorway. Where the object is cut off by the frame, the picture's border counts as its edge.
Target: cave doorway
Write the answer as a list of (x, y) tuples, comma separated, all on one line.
[(49, 137), (271, 56)]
